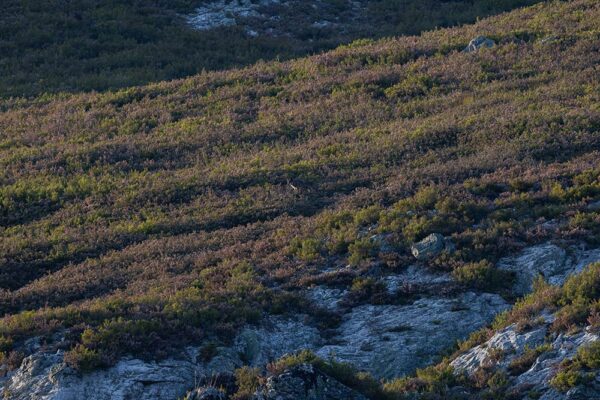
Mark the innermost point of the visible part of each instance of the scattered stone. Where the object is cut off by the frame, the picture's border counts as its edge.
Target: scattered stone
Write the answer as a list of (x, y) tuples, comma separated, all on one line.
[(275, 17), (219, 13), (429, 247), (478, 43)]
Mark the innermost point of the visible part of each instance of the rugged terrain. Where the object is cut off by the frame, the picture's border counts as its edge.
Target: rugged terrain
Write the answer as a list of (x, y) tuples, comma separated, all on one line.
[(372, 205)]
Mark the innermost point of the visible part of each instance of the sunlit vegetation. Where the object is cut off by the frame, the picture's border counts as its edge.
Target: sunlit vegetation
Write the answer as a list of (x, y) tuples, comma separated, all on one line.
[(580, 369), (143, 219)]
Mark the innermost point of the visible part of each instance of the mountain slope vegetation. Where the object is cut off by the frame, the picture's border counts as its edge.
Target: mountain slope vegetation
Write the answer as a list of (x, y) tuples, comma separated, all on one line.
[(82, 45), (138, 220)]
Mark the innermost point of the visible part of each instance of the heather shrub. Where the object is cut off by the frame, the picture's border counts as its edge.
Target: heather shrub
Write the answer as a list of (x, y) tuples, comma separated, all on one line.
[(307, 249), (247, 380), (367, 290), (84, 359), (483, 275), (432, 380), (361, 250), (565, 380), (577, 371)]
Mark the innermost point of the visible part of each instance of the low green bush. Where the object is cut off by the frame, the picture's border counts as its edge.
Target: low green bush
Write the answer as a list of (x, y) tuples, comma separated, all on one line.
[(483, 275), (367, 290), (306, 249), (247, 381), (361, 250), (84, 359), (579, 370)]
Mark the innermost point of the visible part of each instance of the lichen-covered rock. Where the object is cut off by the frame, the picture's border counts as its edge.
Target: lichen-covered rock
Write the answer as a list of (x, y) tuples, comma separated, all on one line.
[(386, 340), (415, 276), (274, 338), (548, 260), (513, 344), (562, 348), (325, 297), (478, 43), (45, 376), (390, 340), (508, 340), (429, 247), (305, 382)]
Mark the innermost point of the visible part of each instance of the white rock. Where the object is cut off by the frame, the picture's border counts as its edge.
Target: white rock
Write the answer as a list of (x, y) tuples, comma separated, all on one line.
[(275, 338), (44, 376), (513, 344), (224, 12), (544, 368), (508, 340), (478, 43)]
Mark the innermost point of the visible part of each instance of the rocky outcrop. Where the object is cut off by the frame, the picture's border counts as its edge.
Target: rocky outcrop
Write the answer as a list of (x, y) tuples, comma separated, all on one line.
[(387, 340), (258, 346), (305, 382), (509, 344), (390, 340), (214, 14), (45, 376), (594, 206), (553, 263), (507, 341), (325, 297), (478, 43)]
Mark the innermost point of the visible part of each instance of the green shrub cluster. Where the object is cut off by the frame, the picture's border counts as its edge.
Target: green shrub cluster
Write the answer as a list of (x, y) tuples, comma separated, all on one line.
[(578, 370), (483, 275)]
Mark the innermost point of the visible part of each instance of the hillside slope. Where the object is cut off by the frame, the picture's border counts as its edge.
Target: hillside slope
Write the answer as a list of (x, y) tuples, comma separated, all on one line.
[(81, 45), (280, 201)]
